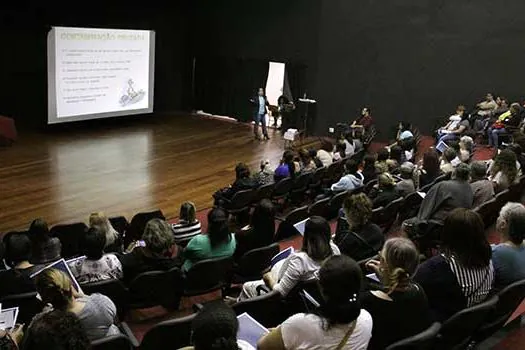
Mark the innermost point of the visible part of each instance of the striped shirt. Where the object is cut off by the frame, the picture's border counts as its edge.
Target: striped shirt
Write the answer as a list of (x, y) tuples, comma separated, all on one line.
[(475, 283), (185, 231)]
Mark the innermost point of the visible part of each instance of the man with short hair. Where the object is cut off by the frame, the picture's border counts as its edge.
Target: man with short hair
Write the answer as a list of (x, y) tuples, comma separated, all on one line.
[(486, 108), (482, 187), (352, 179)]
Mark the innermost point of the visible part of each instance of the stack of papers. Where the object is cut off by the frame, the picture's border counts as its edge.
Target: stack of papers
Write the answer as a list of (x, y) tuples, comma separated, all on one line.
[(62, 266), (250, 331), (8, 318)]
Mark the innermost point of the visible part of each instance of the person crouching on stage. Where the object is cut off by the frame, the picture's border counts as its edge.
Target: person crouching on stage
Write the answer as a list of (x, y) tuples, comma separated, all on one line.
[(260, 104)]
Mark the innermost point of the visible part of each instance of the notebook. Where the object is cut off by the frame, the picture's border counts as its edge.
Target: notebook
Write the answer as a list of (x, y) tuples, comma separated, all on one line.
[(8, 318), (250, 331), (62, 266), (300, 226)]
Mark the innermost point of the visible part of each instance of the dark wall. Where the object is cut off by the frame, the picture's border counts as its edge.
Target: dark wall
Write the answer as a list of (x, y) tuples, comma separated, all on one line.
[(23, 59), (416, 59)]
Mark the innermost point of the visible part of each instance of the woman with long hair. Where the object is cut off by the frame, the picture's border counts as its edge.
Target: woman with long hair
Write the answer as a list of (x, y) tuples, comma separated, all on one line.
[(96, 312), (504, 170), (430, 169), (306, 162), (101, 222), (188, 225), (45, 247), (324, 154), (339, 322), (287, 167), (218, 243), (260, 231), (369, 170), (300, 266), (462, 275), (400, 308)]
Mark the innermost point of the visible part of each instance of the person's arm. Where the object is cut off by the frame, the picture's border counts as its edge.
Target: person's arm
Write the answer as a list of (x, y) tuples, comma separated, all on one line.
[(340, 185), (272, 340), (289, 279), (459, 130)]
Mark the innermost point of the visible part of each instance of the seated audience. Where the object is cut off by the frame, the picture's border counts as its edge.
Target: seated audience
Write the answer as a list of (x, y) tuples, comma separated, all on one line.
[(381, 161), (360, 238), (445, 196), (155, 255), (215, 327), (45, 248), (218, 243), (339, 322), (511, 118), (56, 330), (243, 181), (261, 230), (400, 309), (446, 165), (462, 275), (348, 140), (508, 256), (369, 169), (403, 131), (406, 185), (502, 106), (287, 167), (306, 162), (340, 151), (265, 174), (386, 191), (317, 161), (482, 188), (300, 266), (520, 157), (465, 148), (12, 339), (357, 141), (457, 125), (486, 108), (352, 178), (503, 171), (188, 225), (97, 266), (96, 312), (17, 279), (325, 153), (101, 222), (430, 169), (395, 159)]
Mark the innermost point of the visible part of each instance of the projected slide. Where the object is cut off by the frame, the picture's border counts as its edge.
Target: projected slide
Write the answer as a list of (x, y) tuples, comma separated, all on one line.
[(98, 73)]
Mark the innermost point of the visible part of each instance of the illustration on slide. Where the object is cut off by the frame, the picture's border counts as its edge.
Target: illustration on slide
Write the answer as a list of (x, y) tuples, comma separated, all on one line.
[(131, 96)]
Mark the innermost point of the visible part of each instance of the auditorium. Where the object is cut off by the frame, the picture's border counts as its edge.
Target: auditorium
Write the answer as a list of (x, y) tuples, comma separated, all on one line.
[(235, 175)]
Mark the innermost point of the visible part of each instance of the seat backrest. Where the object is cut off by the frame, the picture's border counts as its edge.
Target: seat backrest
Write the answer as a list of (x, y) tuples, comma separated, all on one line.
[(296, 215), (319, 208), (318, 175), (421, 341), (377, 215), (242, 199), (176, 333), (265, 191), (119, 223), (459, 329), (27, 303), (70, 236), (302, 181), (266, 309), (488, 211), (503, 197), (370, 184), (208, 275), (282, 187), (157, 288), (336, 202), (510, 298), (255, 261), (295, 302), (112, 288), (410, 206), (113, 342), (138, 223)]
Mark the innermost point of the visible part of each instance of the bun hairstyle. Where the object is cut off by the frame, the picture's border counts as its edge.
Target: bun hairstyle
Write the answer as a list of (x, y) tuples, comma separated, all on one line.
[(340, 280), (215, 328), (399, 261), (55, 288)]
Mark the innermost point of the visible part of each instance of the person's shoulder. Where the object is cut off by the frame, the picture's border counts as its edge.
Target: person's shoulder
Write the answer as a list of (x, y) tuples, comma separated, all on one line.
[(301, 320), (365, 321)]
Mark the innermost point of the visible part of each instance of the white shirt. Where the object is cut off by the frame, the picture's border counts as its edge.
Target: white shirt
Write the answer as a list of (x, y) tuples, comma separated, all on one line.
[(325, 157), (305, 331)]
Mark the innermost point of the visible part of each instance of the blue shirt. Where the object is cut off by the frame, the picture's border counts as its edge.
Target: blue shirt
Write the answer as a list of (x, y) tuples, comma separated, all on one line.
[(262, 105), (509, 263)]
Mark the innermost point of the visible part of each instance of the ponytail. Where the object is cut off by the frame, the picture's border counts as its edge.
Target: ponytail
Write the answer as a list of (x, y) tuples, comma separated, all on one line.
[(398, 278)]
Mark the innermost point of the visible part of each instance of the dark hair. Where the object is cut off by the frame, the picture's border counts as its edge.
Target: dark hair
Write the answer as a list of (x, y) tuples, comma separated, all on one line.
[(38, 229), (505, 162), (263, 222), (369, 161), (431, 162), (462, 172), (242, 171), (215, 327), (288, 159), (351, 166), (340, 280), (327, 145), (187, 212), (18, 248), (316, 240), (396, 153), (516, 225), (405, 125), (93, 243), (341, 148), (305, 156), (449, 154), (478, 170), (218, 230), (57, 330), (383, 155), (464, 238)]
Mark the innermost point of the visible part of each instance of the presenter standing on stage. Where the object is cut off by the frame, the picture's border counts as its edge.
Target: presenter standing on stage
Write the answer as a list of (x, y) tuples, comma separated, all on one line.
[(260, 103)]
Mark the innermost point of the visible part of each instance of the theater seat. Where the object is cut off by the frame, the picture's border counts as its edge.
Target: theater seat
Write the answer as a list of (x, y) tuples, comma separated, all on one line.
[(174, 334), (421, 341), (114, 342)]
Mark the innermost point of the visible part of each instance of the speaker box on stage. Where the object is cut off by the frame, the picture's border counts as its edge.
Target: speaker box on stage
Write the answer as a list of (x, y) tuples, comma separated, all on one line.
[(7, 131)]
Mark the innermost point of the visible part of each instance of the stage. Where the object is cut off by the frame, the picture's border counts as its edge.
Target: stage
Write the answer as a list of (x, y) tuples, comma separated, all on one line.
[(123, 167)]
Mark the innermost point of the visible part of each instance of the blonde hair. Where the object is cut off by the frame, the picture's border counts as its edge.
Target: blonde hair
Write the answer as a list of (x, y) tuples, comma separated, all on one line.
[(55, 288), (400, 261), (101, 221)]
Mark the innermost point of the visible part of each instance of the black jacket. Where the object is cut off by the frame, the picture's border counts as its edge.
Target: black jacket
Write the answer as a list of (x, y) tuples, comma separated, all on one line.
[(255, 102)]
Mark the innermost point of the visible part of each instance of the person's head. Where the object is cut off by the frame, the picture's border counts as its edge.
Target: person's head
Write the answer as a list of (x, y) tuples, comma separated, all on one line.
[(218, 229), (260, 92), (316, 239), (511, 222), (519, 139), (341, 148), (478, 170), (327, 145), (399, 259), (215, 327), (365, 112), (358, 210), (313, 153), (55, 288), (158, 237), (305, 157), (501, 101), (404, 126), (38, 229), (396, 153), (462, 172), (340, 281), (93, 243), (351, 166), (263, 221), (460, 110), (187, 212), (288, 159), (264, 165), (466, 143), (18, 248), (431, 161), (449, 154), (463, 237), (406, 171), (383, 155), (369, 161), (515, 108), (505, 162), (489, 97), (242, 171), (386, 181), (57, 330), (100, 220)]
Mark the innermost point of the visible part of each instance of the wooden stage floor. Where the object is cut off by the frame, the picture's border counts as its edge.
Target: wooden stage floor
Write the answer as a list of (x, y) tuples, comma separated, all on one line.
[(64, 174)]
